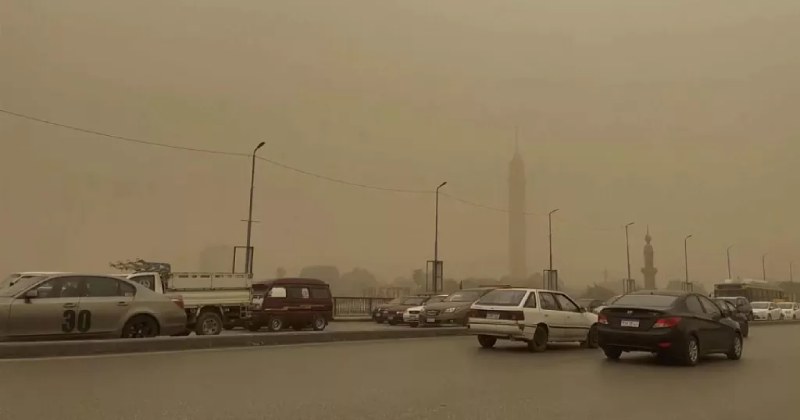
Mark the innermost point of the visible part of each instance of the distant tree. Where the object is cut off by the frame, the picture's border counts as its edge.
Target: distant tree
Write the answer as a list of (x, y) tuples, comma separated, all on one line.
[(355, 282), (598, 292), (327, 273), (450, 286), (280, 273), (418, 276)]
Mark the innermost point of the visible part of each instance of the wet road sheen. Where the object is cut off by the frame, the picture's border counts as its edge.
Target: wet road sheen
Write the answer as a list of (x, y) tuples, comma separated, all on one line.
[(438, 378)]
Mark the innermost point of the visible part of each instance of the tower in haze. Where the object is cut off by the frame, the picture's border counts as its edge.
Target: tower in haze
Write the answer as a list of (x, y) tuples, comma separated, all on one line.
[(649, 269), (516, 218)]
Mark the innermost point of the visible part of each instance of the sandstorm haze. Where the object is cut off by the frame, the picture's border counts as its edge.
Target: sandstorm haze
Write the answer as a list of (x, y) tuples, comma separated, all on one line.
[(677, 114)]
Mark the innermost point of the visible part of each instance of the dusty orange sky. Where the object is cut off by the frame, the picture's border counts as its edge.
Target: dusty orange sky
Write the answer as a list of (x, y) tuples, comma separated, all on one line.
[(680, 115)]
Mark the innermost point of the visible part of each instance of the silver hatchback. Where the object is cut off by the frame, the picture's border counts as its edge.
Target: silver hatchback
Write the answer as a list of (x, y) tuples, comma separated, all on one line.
[(69, 306)]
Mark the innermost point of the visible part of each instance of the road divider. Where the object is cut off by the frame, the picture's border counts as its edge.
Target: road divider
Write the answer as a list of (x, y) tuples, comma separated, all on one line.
[(19, 350), (778, 322)]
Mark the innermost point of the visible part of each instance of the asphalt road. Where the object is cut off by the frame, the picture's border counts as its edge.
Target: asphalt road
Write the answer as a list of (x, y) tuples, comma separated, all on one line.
[(440, 378), (335, 326)]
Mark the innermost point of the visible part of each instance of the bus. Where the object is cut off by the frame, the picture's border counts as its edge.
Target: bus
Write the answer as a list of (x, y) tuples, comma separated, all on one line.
[(754, 291)]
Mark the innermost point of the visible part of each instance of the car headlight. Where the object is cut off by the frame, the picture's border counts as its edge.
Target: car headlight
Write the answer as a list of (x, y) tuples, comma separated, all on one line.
[(450, 310)]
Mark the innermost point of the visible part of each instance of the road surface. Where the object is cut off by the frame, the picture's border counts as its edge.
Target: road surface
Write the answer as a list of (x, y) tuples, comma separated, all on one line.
[(439, 378)]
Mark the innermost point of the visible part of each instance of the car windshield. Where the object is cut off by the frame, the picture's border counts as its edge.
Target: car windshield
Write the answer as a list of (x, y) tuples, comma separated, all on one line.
[(786, 305), (760, 305), (416, 300), (463, 296), (17, 285), (503, 298), (647, 301)]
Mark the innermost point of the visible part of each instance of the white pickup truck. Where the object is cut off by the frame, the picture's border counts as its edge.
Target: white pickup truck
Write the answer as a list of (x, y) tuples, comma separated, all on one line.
[(213, 301)]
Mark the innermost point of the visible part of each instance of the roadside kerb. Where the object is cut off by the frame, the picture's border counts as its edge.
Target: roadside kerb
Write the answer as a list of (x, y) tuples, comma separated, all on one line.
[(97, 347), (777, 322)]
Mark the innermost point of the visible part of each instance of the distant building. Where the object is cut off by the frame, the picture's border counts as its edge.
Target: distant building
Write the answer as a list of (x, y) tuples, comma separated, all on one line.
[(517, 227), (649, 269)]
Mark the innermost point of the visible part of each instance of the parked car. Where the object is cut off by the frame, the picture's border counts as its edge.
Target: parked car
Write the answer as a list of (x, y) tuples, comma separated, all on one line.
[(411, 315), (378, 310), (606, 303), (394, 314), (742, 305), (672, 324), (70, 306), (293, 302), (454, 309), (790, 309), (536, 317), (731, 311), (590, 304), (766, 311)]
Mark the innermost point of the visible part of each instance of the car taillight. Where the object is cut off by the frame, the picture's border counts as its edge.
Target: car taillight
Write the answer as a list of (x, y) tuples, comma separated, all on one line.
[(517, 316), (178, 300), (602, 319), (667, 322)]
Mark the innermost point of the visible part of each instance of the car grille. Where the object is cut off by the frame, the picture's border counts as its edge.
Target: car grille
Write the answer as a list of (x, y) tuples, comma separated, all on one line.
[(413, 312), (432, 312)]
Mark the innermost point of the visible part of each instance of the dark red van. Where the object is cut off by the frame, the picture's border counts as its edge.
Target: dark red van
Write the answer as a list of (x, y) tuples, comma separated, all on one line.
[(296, 303)]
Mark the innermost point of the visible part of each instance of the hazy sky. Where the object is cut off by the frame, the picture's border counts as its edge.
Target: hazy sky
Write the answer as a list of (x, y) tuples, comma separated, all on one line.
[(677, 114)]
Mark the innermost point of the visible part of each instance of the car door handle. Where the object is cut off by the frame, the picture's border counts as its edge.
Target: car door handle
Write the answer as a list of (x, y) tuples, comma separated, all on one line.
[(122, 304), (70, 305)]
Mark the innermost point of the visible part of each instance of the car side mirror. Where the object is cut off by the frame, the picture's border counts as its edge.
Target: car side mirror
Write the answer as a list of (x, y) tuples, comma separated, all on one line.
[(581, 309), (31, 294)]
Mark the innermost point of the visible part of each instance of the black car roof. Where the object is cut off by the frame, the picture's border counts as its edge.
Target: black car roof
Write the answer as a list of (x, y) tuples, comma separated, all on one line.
[(289, 281), (676, 293)]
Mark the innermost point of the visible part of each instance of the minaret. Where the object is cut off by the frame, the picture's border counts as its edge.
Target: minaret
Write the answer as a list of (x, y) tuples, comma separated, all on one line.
[(516, 217), (649, 270)]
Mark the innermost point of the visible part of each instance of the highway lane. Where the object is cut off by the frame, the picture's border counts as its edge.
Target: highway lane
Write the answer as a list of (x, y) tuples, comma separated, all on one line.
[(441, 378)]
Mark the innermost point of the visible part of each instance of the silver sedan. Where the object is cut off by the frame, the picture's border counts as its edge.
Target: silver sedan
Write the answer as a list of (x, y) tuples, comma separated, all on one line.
[(68, 306)]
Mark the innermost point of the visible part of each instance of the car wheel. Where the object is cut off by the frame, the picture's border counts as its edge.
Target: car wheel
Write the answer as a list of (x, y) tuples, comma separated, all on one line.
[(486, 341), (735, 352), (208, 323), (392, 322), (591, 339), (612, 353), (319, 323), (691, 351), (539, 342), (745, 329), (379, 321), (769, 317), (275, 324), (140, 326)]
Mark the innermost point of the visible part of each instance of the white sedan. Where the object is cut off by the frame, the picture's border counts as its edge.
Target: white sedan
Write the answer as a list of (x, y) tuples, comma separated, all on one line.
[(791, 310), (536, 317), (766, 311)]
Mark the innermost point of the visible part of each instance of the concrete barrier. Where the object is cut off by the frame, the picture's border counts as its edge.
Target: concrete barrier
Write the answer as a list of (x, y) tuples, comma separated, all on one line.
[(784, 322), (97, 347)]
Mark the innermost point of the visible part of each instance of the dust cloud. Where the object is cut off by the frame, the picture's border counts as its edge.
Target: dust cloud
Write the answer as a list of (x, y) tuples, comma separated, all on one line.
[(678, 115)]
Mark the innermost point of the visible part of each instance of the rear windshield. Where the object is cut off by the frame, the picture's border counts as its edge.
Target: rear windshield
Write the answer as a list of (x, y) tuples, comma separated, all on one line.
[(414, 301), (760, 305), (503, 298), (436, 299), (647, 301), (463, 296)]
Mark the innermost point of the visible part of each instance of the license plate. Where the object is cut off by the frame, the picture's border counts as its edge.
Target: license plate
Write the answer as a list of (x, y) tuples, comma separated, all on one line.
[(492, 316), (633, 323), (432, 320)]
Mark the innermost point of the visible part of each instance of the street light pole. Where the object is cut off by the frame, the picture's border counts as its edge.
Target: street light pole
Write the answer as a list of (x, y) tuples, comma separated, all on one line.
[(436, 242), (686, 258), (764, 267), (550, 235), (728, 252), (791, 274), (628, 250), (248, 260)]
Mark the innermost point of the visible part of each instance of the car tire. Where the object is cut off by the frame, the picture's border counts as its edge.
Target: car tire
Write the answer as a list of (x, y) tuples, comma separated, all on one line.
[(140, 326), (539, 342), (745, 329), (612, 353), (208, 323), (392, 322), (486, 341), (319, 323), (379, 321), (735, 352), (592, 341), (690, 354), (769, 317), (275, 324)]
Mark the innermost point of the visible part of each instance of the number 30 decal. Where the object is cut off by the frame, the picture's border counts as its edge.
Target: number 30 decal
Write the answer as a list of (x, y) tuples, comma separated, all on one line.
[(84, 321)]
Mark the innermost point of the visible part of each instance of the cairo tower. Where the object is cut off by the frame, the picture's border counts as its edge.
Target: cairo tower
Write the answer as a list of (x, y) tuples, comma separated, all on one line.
[(516, 218)]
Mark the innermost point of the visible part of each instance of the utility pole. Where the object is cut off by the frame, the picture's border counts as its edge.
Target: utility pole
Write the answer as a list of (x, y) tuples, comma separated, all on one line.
[(436, 242), (728, 252), (248, 260), (686, 259), (550, 235), (628, 250), (764, 267)]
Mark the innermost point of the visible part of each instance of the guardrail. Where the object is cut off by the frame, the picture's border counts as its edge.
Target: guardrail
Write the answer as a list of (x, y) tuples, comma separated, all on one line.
[(344, 307)]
